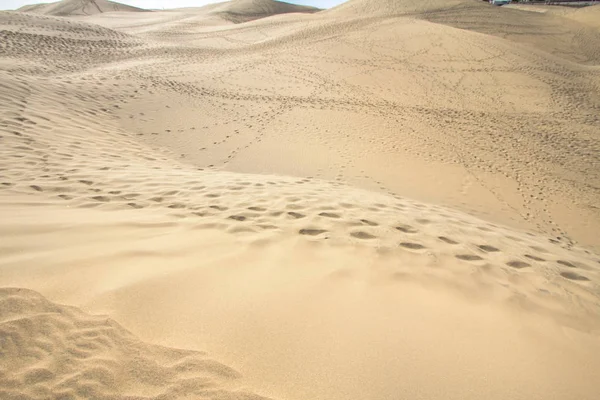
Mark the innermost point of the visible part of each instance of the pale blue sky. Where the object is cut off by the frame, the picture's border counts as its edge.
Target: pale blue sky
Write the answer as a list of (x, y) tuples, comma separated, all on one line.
[(14, 4)]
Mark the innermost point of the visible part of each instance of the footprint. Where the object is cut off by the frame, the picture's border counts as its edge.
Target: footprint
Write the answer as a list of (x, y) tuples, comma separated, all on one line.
[(518, 264), (176, 206), (370, 223), (362, 235), (488, 249), (412, 246), (539, 249), (573, 276), (36, 188), (468, 257), (534, 258), (329, 215), (447, 240), (266, 226), (241, 229), (296, 215), (135, 205), (566, 263), (406, 229), (258, 209), (311, 232), (103, 199), (238, 217), (219, 208)]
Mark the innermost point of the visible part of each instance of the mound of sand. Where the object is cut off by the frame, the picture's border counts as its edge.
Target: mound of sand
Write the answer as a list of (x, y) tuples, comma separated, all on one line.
[(53, 351), (587, 15), (247, 10), (66, 8)]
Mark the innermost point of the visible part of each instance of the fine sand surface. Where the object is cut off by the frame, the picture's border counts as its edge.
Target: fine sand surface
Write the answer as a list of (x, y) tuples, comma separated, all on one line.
[(388, 199)]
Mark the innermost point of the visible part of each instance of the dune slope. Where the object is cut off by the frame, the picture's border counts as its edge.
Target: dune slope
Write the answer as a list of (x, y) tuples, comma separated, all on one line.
[(396, 7), (587, 15), (562, 35)]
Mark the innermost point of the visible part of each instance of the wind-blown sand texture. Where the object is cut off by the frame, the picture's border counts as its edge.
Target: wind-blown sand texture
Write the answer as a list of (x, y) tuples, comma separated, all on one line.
[(383, 200)]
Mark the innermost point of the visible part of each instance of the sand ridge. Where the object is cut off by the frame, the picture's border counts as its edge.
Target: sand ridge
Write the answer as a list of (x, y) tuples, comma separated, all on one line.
[(313, 205)]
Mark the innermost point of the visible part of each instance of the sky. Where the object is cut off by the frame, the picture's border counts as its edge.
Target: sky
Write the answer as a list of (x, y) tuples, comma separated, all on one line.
[(14, 4)]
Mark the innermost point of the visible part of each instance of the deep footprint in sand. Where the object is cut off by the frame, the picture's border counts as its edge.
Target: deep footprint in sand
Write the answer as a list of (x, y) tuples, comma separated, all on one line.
[(406, 229), (573, 276), (468, 257), (362, 235), (311, 232), (518, 264), (412, 246)]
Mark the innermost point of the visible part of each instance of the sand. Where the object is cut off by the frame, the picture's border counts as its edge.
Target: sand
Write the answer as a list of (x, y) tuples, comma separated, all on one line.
[(70, 8), (382, 200)]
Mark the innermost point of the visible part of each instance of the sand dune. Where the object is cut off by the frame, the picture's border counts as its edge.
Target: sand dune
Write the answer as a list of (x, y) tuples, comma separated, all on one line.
[(78, 7), (554, 33), (247, 10), (339, 205)]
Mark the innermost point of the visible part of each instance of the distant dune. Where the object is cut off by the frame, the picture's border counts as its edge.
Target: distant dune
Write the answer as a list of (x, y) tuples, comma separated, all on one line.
[(236, 11), (247, 10), (78, 7)]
